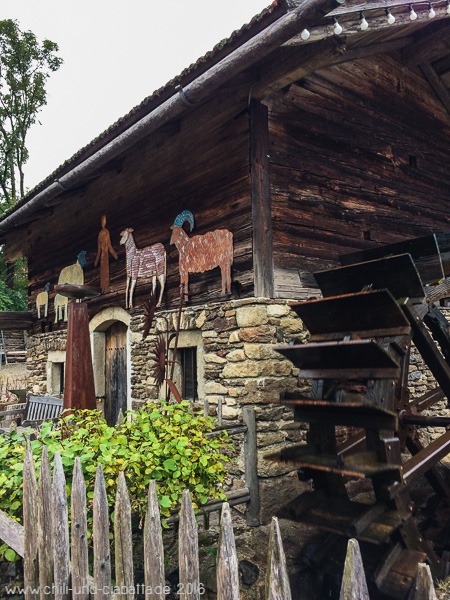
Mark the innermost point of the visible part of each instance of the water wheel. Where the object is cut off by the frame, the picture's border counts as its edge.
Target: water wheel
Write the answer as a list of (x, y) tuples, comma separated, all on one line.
[(373, 308)]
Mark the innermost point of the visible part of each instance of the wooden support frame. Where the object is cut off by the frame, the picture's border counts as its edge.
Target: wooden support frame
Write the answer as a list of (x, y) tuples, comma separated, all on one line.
[(436, 84)]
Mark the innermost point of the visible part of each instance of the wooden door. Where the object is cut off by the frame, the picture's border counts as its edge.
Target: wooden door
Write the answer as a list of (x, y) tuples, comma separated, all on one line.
[(115, 372)]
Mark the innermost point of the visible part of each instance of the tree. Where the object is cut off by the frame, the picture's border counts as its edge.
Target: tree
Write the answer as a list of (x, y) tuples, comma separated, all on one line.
[(25, 66)]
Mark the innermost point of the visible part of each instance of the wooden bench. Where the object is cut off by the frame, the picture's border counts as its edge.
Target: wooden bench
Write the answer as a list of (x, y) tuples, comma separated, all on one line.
[(36, 410)]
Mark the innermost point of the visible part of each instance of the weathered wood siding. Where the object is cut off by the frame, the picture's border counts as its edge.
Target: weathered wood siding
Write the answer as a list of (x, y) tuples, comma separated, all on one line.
[(200, 164), (359, 156)]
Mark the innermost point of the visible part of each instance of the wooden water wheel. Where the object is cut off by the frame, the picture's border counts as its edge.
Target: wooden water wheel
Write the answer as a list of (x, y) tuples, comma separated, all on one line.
[(357, 357)]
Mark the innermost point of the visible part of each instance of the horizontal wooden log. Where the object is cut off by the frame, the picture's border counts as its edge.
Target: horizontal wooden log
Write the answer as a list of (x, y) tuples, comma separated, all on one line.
[(15, 320)]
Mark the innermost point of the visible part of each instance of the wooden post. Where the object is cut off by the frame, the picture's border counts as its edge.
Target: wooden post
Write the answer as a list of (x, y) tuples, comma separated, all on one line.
[(227, 563), (79, 542), (123, 541), (354, 585), (188, 552), (30, 562), (423, 588), (79, 390), (102, 559), (277, 580), (44, 517), (60, 531), (251, 466), (153, 548), (261, 201)]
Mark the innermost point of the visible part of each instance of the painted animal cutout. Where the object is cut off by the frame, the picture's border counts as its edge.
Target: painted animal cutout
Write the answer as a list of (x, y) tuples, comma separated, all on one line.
[(61, 303), (42, 300), (143, 262), (201, 253), (74, 275)]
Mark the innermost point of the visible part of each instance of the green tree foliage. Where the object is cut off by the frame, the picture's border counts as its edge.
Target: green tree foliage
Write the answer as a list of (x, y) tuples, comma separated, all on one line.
[(13, 295), (164, 442), (25, 66)]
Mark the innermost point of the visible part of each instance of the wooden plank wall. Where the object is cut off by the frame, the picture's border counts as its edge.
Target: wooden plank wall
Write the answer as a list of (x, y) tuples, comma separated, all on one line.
[(200, 164), (359, 156)]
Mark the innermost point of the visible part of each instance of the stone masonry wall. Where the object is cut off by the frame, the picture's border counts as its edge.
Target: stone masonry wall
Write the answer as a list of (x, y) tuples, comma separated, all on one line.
[(240, 367), (38, 348)]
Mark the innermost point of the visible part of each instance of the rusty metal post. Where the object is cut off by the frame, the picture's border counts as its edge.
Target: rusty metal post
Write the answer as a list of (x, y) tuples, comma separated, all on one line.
[(79, 390)]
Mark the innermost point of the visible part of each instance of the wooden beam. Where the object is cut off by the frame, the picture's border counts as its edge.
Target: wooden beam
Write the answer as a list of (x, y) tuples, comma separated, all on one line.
[(295, 65), (350, 23), (291, 64), (433, 79), (15, 320), (261, 201)]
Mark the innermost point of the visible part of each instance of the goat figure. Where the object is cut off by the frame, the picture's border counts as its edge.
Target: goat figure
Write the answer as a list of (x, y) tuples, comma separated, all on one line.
[(201, 253), (42, 300), (61, 304), (143, 262), (72, 275)]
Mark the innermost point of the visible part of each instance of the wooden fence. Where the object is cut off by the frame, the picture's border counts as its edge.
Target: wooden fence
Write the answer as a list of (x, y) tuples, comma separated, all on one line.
[(56, 561)]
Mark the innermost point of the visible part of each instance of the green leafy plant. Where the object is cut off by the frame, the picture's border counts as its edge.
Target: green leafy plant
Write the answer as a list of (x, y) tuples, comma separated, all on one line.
[(164, 442), (13, 285)]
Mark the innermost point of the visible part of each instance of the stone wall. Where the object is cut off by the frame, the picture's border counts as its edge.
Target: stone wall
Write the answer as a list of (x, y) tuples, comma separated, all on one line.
[(38, 349), (240, 365)]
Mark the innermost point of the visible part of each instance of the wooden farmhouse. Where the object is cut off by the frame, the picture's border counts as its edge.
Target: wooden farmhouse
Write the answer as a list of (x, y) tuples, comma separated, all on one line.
[(319, 129)]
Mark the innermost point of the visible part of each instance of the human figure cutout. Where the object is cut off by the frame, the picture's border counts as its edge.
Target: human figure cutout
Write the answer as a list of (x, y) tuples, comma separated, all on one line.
[(104, 250)]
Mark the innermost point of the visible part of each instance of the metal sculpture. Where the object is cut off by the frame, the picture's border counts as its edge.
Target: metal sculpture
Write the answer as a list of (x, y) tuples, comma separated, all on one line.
[(143, 262), (42, 300), (104, 249), (202, 253), (159, 354)]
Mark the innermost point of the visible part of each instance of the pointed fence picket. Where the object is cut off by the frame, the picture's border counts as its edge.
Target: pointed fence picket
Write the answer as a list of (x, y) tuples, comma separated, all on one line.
[(79, 536), (56, 562), (31, 573), (45, 538)]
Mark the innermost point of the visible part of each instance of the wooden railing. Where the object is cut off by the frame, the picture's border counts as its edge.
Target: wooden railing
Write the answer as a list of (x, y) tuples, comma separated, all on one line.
[(56, 560)]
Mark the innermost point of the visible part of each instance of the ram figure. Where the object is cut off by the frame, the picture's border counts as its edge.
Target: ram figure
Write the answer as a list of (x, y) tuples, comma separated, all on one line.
[(201, 253)]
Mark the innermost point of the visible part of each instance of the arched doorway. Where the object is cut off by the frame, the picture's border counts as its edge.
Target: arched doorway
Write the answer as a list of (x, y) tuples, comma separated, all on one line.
[(111, 357), (115, 371)]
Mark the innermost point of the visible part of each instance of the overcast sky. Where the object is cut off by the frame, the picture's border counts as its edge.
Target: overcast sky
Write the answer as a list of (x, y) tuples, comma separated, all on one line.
[(115, 54)]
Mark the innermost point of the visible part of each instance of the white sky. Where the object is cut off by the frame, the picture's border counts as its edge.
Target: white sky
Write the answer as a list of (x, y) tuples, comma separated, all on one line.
[(115, 54)]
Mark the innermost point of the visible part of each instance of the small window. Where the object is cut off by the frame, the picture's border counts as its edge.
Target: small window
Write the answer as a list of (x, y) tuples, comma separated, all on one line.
[(189, 370), (57, 378), (188, 363)]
